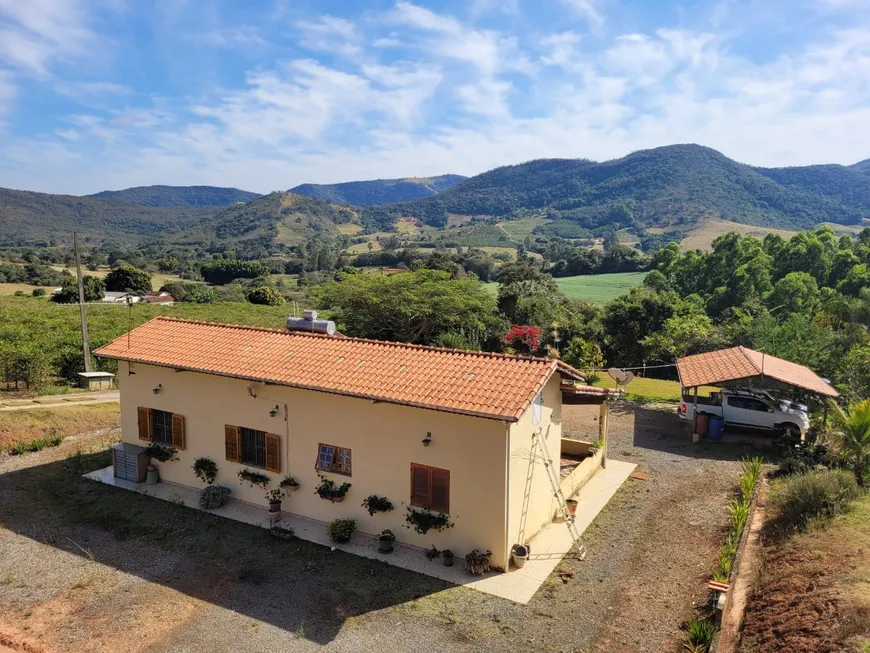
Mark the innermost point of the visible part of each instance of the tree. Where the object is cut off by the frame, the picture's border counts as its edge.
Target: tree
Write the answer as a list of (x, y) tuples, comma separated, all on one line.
[(523, 338), (415, 307), (128, 279), (201, 294), (586, 356), (851, 437), (266, 295), (69, 294), (168, 264), (682, 335), (796, 292)]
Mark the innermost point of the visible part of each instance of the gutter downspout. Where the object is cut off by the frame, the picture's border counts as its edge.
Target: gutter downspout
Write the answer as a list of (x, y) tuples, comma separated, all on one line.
[(507, 487)]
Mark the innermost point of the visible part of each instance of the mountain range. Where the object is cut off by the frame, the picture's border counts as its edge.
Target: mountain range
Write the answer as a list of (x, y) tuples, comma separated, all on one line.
[(379, 191), (672, 187)]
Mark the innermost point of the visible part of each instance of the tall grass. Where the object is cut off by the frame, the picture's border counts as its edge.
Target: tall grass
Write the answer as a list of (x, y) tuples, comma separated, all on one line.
[(813, 496), (37, 444)]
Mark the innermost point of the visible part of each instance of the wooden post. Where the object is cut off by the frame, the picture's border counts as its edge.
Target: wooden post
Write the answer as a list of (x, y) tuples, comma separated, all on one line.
[(83, 311), (602, 430), (695, 415)]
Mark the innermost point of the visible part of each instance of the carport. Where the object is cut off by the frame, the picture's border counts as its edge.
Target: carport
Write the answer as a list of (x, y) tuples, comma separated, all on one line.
[(728, 366)]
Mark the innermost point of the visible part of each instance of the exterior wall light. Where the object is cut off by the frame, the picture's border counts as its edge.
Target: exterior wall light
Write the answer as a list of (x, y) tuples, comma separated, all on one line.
[(427, 440), (157, 390), (274, 411)]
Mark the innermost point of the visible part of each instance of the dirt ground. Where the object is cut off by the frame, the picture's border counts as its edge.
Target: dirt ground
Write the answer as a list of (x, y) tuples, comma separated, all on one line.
[(86, 567), (813, 595), (26, 425)]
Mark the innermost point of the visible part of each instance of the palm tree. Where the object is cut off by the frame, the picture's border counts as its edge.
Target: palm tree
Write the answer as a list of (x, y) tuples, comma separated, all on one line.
[(851, 438)]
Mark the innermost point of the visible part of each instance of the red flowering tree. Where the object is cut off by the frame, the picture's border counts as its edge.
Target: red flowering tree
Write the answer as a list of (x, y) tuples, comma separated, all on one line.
[(523, 338)]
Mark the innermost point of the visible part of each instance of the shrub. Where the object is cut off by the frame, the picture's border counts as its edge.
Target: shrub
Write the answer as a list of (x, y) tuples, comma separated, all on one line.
[(815, 495), (205, 470), (38, 292), (213, 496), (432, 553), (388, 534), (341, 530), (265, 295), (699, 634), (477, 562), (374, 504)]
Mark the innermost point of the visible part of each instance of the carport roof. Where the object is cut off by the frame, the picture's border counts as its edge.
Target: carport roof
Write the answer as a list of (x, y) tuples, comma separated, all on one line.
[(742, 363)]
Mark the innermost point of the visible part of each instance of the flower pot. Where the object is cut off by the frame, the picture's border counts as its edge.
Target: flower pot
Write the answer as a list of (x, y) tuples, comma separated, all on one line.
[(152, 477), (571, 504), (274, 506), (290, 488), (385, 544), (447, 559), (338, 499), (520, 554)]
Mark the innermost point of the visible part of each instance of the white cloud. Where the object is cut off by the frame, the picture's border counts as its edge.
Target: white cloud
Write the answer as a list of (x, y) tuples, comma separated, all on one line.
[(33, 33), (8, 92), (330, 34), (229, 37), (588, 9)]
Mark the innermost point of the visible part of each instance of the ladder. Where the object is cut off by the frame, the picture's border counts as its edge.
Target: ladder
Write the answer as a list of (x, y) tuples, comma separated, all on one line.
[(553, 475)]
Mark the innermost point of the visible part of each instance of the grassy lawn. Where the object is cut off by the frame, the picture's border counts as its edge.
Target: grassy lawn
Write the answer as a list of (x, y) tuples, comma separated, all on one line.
[(12, 288), (29, 425), (594, 288), (648, 390)]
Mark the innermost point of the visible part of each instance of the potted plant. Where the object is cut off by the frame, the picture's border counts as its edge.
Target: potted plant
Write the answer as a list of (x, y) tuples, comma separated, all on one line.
[(385, 541), (152, 477), (374, 504), (289, 483), (447, 557), (519, 554), (423, 521), (571, 505), (432, 553), (253, 478), (205, 470), (274, 497), (477, 562), (213, 496), (327, 489), (161, 453)]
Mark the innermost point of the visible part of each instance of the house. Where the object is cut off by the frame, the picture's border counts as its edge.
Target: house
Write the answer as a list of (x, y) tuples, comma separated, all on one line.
[(162, 297), (116, 297), (461, 433)]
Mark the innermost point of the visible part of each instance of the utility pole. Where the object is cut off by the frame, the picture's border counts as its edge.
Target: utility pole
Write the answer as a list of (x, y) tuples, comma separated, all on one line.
[(86, 348)]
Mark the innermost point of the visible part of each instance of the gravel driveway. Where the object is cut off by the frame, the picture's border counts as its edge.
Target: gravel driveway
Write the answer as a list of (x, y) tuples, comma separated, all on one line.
[(85, 567)]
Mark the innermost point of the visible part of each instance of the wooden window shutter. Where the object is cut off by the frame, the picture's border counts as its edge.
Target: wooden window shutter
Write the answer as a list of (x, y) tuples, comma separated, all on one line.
[(420, 489), (273, 453), (231, 443), (178, 431), (440, 490), (144, 424)]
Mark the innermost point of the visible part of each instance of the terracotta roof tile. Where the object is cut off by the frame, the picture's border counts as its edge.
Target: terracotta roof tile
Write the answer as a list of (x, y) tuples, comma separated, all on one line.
[(488, 385), (741, 363)]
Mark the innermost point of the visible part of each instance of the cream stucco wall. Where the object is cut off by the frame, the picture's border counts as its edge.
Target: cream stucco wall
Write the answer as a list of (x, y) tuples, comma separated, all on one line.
[(384, 438), (531, 504)]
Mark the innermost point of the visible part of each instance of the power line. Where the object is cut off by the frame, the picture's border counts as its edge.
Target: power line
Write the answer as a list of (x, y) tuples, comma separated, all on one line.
[(639, 367)]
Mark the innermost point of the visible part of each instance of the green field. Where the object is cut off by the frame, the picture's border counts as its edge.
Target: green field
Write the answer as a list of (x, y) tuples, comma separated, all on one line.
[(594, 288)]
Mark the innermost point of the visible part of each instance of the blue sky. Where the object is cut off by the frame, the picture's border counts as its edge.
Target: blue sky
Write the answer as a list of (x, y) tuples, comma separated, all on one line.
[(267, 94)]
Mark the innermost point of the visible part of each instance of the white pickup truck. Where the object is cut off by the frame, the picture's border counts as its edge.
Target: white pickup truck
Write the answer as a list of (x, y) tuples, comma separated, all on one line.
[(750, 409)]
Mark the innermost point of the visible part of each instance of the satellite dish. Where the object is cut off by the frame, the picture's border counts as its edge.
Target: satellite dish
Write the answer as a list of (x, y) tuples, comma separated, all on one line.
[(617, 375), (621, 378)]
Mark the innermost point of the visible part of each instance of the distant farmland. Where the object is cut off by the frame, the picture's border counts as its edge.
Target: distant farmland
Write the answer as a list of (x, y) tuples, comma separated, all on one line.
[(594, 288)]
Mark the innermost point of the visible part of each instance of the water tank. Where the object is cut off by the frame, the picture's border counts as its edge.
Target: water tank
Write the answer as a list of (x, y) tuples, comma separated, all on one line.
[(312, 326)]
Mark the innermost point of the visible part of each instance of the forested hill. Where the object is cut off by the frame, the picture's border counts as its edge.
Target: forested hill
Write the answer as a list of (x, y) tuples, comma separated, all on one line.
[(30, 218), (164, 196), (276, 218), (379, 191), (862, 166), (667, 186)]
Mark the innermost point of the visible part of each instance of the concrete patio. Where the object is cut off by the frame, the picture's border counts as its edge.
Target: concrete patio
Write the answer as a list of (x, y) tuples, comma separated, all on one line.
[(518, 585)]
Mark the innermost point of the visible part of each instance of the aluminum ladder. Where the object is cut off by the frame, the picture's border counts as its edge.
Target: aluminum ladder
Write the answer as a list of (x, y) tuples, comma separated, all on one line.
[(553, 475)]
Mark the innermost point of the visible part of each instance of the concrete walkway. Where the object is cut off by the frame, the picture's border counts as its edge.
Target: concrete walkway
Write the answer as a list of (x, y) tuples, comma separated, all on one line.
[(518, 585), (56, 401)]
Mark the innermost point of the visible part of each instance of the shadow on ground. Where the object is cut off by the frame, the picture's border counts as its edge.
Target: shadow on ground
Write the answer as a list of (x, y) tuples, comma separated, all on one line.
[(297, 586), (661, 430)]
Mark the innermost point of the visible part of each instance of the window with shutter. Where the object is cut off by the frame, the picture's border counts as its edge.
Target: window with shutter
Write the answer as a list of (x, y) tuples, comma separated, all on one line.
[(273, 453), (333, 459), (161, 426), (178, 431), (144, 424), (231, 442), (430, 488), (253, 447)]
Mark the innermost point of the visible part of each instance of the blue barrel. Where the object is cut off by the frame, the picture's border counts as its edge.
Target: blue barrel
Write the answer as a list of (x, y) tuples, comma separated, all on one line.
[(715, 427)]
